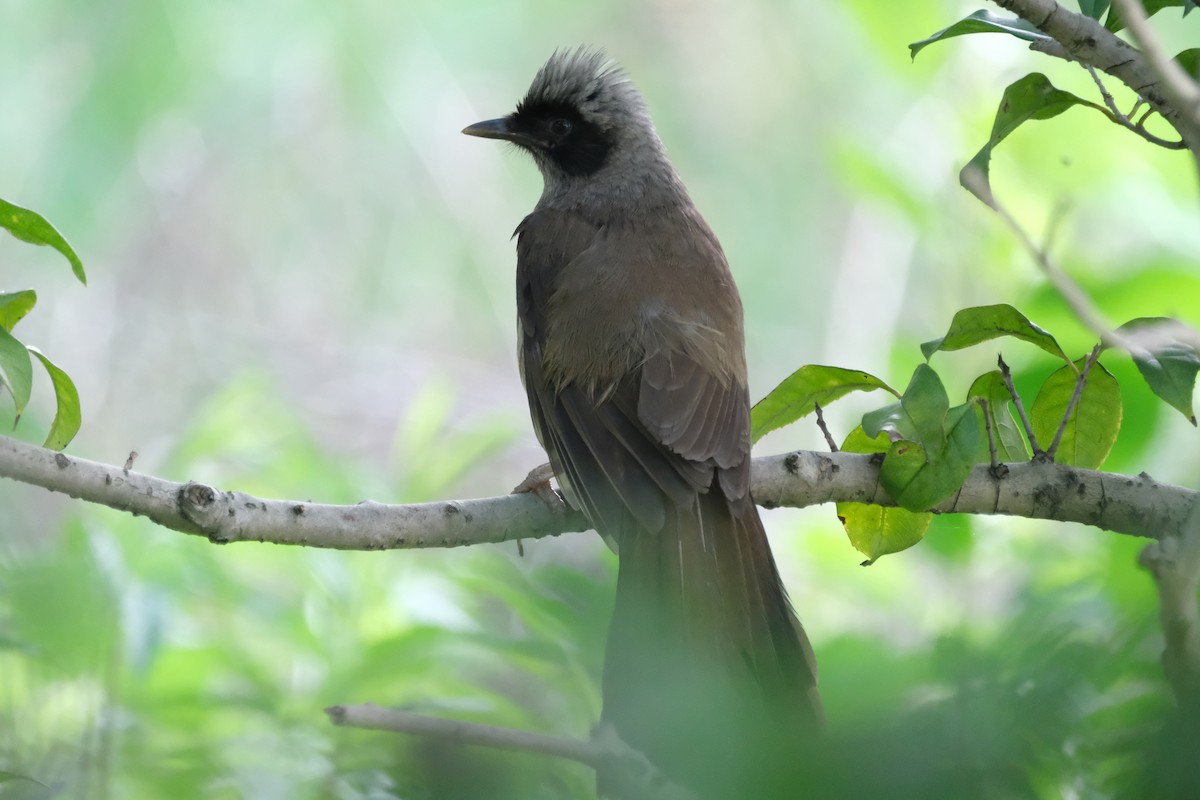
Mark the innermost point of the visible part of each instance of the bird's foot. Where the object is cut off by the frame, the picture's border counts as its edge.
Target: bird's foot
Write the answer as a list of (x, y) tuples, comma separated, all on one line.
[(538, 482)]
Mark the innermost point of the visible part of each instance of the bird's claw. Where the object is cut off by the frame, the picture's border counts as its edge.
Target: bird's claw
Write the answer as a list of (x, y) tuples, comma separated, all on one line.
[(538, 482)]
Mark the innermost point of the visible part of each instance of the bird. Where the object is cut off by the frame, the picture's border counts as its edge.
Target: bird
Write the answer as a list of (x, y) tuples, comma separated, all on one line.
[(632, 354)]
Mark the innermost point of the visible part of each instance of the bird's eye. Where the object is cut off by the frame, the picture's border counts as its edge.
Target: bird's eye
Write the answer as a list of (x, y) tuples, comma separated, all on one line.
[(560, 127)]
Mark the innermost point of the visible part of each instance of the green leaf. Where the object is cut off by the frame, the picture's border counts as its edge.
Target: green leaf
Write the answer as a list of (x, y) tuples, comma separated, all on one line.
[(1093, 8), (67, 417), (14, 306), (1010, 444), (982, 21), (892, 419), (796, 395), (1114, 22), (904, 462), (878, 530), (1190, 61), (926, 403), (917, 477), (858, 441), (29, 226), (16, 370), (972, 326), (1167, 360), (1031, 97), (1094, 422)]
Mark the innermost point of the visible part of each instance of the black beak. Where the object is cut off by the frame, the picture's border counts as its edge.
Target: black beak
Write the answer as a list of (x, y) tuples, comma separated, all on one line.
[(492, 129), (504, 129)]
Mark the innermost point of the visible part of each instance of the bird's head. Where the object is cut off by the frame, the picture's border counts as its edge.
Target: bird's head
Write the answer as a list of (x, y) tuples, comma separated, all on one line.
[(583, 121)]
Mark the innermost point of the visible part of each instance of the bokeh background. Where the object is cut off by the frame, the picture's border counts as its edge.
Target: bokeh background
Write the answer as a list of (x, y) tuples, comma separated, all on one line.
[(300, 285)]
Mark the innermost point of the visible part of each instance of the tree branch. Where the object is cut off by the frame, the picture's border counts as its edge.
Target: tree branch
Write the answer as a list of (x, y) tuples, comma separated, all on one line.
[(1122, 119), (1137, 506), (625, 770), (1175, 564), (225, 517), (377, 718), (1181, 90), (1085, 40)]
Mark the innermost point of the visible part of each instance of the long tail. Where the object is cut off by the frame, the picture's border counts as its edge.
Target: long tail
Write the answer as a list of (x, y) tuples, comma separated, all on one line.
[(708, 672)]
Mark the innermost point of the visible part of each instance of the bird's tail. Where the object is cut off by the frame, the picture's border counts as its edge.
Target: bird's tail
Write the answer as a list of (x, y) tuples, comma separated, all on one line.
[(708, 672)]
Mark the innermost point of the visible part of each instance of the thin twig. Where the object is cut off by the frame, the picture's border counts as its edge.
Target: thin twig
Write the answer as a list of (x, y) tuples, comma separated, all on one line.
[(1114, 112), (1108, 98), (622, 765), (833, 448), (1078, 37), (987, 426), (1006, 374), (1170, 144), (1054, 223), (1138, 345), (1074, 296), (1080, 383), (1123, 120), (373, 717), (1071, 293), (1180, 89)]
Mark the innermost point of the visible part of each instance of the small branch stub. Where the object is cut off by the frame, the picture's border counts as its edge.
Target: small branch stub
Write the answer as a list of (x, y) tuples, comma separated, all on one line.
[(833, 448), (198, 503)]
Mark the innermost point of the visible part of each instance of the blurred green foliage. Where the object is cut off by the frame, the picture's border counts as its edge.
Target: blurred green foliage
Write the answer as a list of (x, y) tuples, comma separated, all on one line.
[(140, 663), (300, 286)]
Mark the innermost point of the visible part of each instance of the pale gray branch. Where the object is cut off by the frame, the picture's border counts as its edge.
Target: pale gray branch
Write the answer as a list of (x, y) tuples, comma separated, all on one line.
[(1138, 506), (1175, 564), (224, 516), (1085, 40)]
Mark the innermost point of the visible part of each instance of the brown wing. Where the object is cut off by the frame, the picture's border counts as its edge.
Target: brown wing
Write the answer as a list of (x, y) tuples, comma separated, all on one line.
[(632, 409), (696, 416), (607, 481)]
